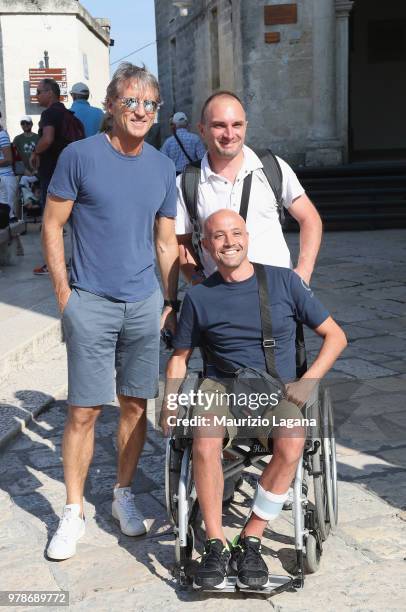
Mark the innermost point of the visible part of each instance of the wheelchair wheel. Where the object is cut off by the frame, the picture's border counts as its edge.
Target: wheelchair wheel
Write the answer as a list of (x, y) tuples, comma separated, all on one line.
[(172, 471), (313, 554), (324, 467), (175, 447)]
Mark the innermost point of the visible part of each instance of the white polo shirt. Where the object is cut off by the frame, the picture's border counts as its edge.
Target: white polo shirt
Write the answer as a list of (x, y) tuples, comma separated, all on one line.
[(267, 244)]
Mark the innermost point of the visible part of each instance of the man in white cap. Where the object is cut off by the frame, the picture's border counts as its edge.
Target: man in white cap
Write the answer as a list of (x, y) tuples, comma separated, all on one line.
[(25, 142), (90, 116), (183, 147)]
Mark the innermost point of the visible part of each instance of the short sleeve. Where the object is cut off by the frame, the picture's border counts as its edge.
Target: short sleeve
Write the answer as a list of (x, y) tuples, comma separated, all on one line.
[(168, 206), (183, 224), (66, 179), (50, 117), (309, 310), (188, 330), (4, 139), (291, 187)]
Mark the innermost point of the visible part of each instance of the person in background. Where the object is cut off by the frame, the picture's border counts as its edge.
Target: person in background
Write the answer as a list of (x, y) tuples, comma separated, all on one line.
[(25, 143), (8, 181), (183, 147), (90, 116), (51, 141)]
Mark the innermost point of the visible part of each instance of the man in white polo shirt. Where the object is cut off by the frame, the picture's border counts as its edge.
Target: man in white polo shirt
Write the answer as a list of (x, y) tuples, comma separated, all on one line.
[(227, 162)]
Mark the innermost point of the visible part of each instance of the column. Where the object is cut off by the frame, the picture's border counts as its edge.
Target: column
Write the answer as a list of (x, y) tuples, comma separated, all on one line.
[(324, 149), (343, 9)]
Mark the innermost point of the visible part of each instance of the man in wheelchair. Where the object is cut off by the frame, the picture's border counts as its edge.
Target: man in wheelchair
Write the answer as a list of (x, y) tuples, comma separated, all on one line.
[(224, 315)]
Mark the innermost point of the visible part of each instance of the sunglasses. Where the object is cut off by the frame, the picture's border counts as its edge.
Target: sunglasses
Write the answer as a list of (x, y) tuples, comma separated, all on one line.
[(25, 123), (131, 104)]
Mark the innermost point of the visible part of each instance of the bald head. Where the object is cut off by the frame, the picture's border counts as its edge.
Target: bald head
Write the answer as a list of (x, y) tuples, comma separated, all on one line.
[(226, 239), (219, 95), (222, 218)]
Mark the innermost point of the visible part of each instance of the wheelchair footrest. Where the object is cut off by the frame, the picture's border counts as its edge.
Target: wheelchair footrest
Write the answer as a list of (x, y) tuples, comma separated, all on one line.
[(276, 584)]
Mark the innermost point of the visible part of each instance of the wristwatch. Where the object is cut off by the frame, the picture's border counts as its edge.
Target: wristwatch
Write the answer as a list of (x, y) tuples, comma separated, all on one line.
[(175, 304)]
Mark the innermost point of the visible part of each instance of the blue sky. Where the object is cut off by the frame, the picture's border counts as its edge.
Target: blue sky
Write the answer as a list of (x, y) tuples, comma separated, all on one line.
[(132, 26)]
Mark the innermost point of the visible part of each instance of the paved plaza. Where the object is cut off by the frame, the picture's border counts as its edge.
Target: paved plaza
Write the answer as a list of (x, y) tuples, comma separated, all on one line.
[(361, 278)]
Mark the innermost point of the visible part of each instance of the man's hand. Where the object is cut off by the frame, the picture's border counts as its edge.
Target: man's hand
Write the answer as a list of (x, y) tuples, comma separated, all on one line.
[(310, 225), (34, 161), (300, 391), (163, 418), (168, 319), (304, 273), (62, 299)]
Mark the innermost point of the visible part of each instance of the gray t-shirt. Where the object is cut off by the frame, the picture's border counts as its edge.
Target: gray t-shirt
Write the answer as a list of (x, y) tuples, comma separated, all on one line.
[(117, 198)]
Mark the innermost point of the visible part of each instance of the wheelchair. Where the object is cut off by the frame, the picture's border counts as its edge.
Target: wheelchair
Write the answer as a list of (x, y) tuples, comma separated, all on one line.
[(314, 519)]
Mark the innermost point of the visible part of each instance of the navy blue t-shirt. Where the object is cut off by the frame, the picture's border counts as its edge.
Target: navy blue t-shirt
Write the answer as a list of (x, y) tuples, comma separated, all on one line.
[(117, 198), (226, 316)]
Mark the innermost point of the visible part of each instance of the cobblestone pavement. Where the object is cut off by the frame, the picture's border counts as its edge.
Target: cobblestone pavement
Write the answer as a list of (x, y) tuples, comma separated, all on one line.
[(361, 278)]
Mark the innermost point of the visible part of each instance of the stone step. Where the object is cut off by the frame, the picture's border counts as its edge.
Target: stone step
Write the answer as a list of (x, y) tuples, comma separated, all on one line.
[(29, 319), (28, 391), (27, 334)]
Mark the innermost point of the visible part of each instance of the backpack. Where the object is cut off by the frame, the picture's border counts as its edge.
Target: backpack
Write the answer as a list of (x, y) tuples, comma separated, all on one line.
[(71, 127), (190, 184)]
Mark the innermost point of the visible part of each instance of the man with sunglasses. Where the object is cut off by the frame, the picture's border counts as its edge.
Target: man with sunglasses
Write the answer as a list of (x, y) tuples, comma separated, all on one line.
[(120, 196), (25, 142)]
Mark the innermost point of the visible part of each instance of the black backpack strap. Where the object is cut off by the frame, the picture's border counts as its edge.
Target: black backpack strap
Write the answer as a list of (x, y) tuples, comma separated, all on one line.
[(180, 143), (213, 359), (301, 358), (190, 185), (245, 196), (268, 341), (273, 172)]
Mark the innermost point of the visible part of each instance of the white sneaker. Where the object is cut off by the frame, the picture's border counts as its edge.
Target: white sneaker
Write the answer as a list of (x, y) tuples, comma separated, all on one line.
[(70, 529), (124, 510)]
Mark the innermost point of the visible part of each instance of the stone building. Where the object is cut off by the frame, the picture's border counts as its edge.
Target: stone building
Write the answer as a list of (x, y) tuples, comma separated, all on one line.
[(73, 40), (323, 81)]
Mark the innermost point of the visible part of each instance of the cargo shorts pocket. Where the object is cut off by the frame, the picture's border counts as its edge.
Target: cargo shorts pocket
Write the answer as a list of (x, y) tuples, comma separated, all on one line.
[(67, 325), (69, 302)]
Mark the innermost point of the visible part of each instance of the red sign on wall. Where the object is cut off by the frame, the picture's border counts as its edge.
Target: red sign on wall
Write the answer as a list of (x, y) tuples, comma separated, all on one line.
[(58, 74)]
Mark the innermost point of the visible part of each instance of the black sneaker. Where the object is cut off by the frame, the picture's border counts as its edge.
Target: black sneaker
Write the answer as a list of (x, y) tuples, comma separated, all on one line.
[(247, 561), (212, 572)]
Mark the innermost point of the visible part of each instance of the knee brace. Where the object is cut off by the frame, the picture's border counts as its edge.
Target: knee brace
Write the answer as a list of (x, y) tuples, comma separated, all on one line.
[(267, 505)]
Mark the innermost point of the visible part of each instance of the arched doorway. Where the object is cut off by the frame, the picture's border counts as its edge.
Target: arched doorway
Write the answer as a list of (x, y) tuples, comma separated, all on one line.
[(377, 80)]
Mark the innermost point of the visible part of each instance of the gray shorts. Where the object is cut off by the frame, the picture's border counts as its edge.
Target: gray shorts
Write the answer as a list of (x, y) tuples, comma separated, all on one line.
[(103, 336)]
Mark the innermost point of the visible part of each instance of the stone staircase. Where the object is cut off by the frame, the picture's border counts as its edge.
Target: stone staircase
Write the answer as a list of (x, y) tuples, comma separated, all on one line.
[(357, 196)]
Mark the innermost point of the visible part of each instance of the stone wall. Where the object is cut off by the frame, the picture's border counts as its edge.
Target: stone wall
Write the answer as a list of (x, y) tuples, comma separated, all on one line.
[(187, 60), (277, 80), (274, 80)]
